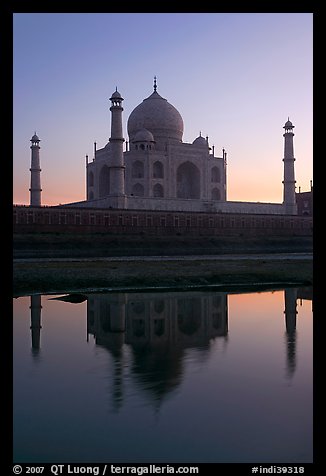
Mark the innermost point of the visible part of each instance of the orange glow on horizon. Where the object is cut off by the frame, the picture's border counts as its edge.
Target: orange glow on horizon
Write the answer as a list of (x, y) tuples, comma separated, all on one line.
[(254, 312), (248, 301), (66, 194), (50, 199)]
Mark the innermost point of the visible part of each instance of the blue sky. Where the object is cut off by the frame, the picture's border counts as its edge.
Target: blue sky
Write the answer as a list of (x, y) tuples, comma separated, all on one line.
[(235, 77)]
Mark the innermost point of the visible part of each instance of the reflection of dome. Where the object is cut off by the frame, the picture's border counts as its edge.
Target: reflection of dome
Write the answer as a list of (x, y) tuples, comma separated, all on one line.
[(143, 136), (200, 141), (158, 116), (157, 370)]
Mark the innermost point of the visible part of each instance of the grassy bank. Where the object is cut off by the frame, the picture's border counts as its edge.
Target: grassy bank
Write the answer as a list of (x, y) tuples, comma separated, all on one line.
[(60, 245), (80, 275)]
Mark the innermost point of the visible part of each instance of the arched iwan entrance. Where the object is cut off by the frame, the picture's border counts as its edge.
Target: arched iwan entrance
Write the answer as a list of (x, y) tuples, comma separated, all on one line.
[(104, 181), (188, 181)]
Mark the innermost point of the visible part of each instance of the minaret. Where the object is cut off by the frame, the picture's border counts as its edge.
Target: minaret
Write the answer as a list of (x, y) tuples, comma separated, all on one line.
[(117, 167), (35, 190), (289, 200)]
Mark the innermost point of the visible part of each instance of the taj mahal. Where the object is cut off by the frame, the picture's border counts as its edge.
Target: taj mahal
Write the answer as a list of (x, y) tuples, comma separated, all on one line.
[(155, 170)]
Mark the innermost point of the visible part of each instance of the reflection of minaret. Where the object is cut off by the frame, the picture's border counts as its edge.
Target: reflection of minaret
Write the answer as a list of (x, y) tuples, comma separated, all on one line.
[(117, 327), (290, 301), (36, 327), (117, 391)]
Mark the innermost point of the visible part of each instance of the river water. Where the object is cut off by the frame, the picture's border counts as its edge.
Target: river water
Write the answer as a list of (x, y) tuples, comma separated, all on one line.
[(166, 377)]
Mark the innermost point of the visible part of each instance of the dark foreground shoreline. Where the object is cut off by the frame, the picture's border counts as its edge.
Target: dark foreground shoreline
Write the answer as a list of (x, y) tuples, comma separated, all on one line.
[(62, 275)]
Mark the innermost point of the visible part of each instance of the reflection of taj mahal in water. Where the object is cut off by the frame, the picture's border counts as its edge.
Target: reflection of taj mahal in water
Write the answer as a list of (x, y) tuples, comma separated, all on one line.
[(142, 320), (157, 328), (153, 331)]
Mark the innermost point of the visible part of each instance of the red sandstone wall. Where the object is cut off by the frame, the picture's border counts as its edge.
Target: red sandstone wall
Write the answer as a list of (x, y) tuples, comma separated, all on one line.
[(79, 220)]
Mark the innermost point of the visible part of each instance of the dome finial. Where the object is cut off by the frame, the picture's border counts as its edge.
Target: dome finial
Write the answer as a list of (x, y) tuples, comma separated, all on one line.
[(155, 86)]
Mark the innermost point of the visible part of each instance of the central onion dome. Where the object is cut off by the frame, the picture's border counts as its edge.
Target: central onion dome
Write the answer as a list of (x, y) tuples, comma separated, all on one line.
[(158, 116)]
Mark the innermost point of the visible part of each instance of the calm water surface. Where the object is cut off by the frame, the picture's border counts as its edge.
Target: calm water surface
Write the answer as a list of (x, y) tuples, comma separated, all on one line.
[(173, 377)]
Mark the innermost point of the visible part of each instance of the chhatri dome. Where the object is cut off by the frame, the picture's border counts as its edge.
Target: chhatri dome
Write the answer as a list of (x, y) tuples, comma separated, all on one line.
[(200, 141), (116, 94), (143, 136), (35, 138), (288, 124), (158, 116)]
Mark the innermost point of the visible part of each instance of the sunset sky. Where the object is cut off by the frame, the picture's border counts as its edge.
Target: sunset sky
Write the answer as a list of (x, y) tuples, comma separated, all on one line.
[(235, 77)]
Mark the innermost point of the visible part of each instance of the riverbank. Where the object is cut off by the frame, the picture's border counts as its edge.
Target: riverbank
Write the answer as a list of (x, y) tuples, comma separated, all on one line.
[(61, 275), (95, 245)]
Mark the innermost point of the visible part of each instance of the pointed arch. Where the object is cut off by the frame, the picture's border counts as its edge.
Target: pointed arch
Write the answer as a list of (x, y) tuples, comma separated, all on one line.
[(158, 170), (188, 181), (216, 194), (189, 315), (159, 327), (158, 190), (137, 170), (104, 181), (216, 175)]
